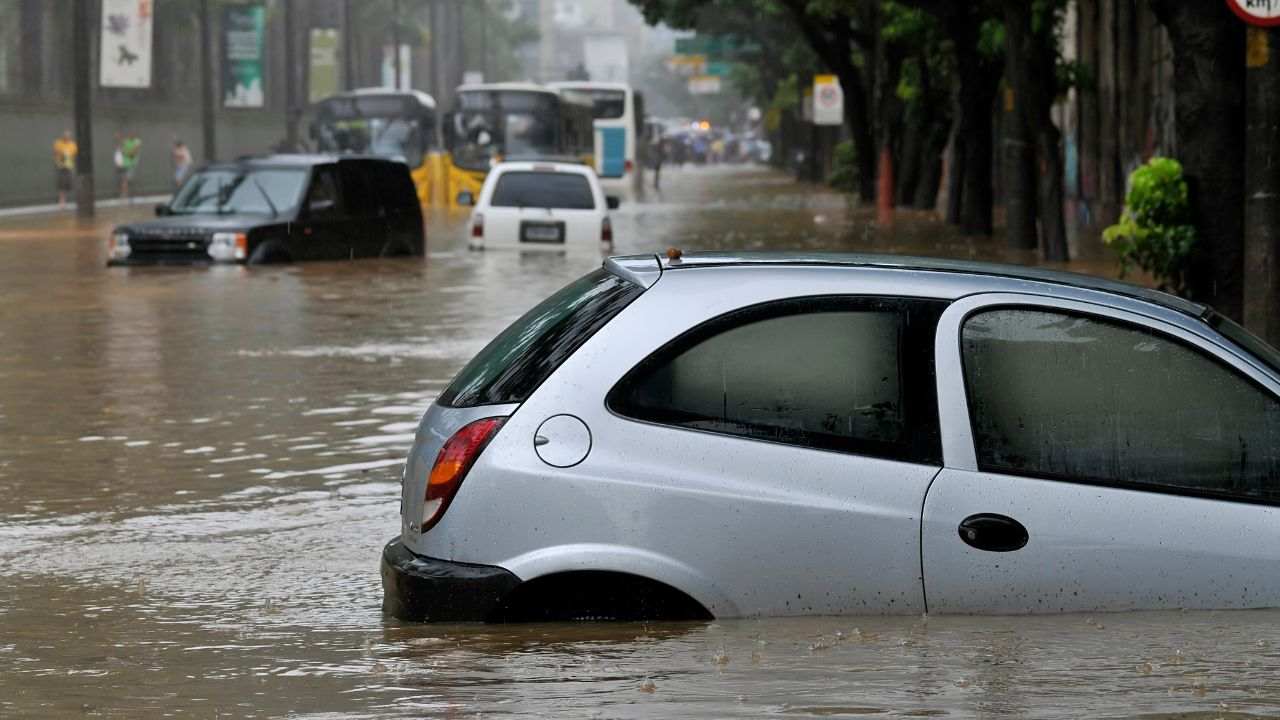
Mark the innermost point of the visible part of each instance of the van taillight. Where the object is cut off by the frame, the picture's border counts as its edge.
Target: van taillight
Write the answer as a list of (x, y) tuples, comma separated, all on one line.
[(477, 225), (452, 463), (606, 231)]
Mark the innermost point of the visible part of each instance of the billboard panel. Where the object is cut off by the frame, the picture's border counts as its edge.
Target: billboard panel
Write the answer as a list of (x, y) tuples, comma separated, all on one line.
[(244, 56), (124, 59)]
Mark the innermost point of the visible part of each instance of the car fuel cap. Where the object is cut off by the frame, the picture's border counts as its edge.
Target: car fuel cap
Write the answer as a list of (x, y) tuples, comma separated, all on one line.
[(562, 441)]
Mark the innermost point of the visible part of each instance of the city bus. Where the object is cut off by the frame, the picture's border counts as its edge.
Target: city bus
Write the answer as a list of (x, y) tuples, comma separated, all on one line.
[(398, 124), (618, 112), (494, 122)]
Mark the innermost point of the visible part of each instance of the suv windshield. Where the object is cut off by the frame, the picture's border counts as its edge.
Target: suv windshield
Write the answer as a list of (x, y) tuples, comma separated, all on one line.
[(569, 191), (260, 191), (511, 367)]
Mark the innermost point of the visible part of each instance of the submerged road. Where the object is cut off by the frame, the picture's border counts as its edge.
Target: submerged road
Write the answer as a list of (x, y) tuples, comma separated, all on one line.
[(199, 468)]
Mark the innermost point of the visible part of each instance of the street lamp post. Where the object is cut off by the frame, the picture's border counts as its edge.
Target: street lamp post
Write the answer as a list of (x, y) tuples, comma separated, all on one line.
[(207, 99), (83, 110)]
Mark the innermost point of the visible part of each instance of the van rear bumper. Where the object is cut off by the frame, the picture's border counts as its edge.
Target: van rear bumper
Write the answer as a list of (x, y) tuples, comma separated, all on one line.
[(420, 588)]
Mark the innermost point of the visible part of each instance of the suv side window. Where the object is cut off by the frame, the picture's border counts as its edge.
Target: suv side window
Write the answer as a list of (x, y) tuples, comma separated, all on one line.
[(852, 374), (1059, 395), (322, 200)]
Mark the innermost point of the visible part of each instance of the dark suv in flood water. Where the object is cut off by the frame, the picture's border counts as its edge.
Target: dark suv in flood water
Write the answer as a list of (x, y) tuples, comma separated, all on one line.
[(280, 208)]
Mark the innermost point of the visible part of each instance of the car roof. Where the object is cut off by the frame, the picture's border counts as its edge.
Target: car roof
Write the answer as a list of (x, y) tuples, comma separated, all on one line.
[(589, 85), (695, 260), (507, 86), (542, 166), (418, 96)]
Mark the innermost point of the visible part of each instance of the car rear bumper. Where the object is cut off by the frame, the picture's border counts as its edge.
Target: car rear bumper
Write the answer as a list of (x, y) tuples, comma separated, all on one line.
[(416, 587)]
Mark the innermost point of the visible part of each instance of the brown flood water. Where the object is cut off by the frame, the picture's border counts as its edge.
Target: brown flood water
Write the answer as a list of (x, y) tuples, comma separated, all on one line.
[(198, 470)]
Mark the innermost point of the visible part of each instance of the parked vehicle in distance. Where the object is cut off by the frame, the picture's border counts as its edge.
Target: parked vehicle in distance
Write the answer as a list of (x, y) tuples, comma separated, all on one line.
[(280, 208), (540, 205), (753, 435)]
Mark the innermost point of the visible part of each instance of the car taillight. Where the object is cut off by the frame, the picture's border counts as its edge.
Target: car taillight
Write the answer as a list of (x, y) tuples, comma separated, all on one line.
[(452, 464), (628, 166), (606, 231), (477, 225)]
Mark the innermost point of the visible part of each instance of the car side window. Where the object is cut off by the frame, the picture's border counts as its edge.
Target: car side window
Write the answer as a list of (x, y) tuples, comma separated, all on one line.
[(1061, 395), (834, 373), (322, 200)]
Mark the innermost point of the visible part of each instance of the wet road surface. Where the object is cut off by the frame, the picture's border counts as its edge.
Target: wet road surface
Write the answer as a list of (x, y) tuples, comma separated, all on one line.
[(198, 470)]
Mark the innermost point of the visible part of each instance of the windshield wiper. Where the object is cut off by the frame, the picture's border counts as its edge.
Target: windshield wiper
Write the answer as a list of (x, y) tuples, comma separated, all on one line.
[(274, 211)]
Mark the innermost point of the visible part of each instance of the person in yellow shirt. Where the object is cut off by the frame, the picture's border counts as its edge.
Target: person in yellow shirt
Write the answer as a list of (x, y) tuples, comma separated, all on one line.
[(64, 164)]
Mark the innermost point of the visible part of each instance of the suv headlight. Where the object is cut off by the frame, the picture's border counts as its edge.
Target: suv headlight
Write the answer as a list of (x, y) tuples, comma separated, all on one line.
[(228, 247), (118, 248)]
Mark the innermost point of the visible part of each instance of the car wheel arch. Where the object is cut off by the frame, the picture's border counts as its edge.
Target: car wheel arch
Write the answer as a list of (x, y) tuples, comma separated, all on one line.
[(623, 560)]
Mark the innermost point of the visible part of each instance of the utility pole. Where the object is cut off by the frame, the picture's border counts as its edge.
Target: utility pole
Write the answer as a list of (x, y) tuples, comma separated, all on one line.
[(1262, 184), (348, 48), (207, 98), (395, 41), (83, 109), (290, 76), (484, 40)]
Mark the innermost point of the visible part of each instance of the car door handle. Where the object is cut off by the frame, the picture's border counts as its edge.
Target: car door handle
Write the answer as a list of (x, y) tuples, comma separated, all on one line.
[(993, 533)]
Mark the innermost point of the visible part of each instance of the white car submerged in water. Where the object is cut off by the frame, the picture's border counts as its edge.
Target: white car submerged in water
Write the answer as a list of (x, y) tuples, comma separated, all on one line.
[(540, 206), (757, 435)]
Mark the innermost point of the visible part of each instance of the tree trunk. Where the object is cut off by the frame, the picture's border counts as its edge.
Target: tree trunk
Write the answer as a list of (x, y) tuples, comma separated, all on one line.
[(930, 177), (911, 162), (1053, 227), (1208, 59), (1018, 144), (978, 83)]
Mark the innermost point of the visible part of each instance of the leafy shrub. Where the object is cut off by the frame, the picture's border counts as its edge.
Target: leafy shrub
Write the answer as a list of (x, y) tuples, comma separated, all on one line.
[(844, 168), (1155, 231)]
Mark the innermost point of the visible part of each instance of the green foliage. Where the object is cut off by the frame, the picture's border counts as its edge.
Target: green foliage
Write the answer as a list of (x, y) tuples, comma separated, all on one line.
[(1155, 232), (844, 168)]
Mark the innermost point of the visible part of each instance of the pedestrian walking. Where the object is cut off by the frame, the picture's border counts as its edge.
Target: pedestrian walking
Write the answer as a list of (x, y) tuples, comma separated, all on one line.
[(181, 162), (658, 153), (128, 151), (64, 165)]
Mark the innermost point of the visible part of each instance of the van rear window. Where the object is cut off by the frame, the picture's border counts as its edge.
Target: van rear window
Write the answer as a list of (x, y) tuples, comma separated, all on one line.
[(516, 362), (565, 190)]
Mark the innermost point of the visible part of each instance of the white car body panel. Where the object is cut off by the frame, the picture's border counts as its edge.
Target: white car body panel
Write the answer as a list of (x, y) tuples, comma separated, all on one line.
[(583, 228)]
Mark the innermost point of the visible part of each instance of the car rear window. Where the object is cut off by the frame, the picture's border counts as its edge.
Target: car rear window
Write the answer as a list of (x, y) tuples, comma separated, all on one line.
[(516, 362), (567, 190)]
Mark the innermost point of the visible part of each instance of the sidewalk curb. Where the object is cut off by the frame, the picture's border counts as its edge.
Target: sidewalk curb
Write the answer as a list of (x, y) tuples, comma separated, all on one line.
[(53, 209)]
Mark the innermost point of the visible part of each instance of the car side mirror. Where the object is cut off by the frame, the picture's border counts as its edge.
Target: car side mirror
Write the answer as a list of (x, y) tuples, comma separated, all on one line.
[(163, 209), (466, 199), (613, 201)]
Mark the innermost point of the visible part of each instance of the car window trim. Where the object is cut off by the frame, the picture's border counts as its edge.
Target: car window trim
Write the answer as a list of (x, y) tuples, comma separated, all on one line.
[(909, 452), (1136, 323)]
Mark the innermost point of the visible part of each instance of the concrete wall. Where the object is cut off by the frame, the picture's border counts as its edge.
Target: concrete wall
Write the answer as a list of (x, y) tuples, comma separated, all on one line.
[(28, 131)]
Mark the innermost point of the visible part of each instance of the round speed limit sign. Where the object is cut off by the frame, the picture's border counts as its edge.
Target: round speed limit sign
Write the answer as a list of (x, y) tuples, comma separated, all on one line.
[(1265, 13)]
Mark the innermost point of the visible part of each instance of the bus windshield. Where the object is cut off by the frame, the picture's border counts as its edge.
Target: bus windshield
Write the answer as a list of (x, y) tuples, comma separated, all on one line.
[(389, 137), (503, 124), (398, 127), (607, 104)]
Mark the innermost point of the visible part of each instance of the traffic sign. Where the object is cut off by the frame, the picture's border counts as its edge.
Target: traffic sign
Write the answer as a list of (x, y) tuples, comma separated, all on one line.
[(828, 100), (1263, 13)]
